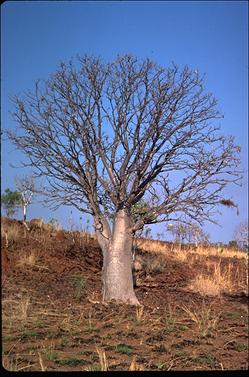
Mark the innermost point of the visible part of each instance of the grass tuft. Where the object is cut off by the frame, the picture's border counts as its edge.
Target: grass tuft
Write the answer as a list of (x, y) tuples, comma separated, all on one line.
[(124, 348), (204, 317)]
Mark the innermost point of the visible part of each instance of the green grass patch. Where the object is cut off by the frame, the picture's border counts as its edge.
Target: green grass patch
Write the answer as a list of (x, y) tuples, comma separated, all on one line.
[(237, 346), (51, 355), (94, 368), (206, 359), (79, 284), (40, 324), (124, 348), (232, 315), (71, 361), (183, 354), (8, 338), (28, 334)]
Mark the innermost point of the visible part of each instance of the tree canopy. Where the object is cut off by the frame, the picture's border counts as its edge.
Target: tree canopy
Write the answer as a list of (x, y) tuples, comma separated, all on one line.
[(108, 135), (11, 200)]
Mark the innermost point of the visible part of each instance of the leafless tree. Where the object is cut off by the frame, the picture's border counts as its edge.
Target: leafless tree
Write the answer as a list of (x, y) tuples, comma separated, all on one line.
[(26, 187), (191, 233), (241, 235), (108, 135)]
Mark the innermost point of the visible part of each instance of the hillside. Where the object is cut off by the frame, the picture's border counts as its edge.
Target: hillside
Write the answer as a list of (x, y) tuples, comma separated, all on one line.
[(194, 313)]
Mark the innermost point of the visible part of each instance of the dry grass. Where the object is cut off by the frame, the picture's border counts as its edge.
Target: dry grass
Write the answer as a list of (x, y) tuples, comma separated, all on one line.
[(140, 314), (70, 325), (13, 233), (4, 236), (223, 278), (153, 245), (182, 252), (216, 282), (103, 364), (102, 360), (15, 313), (180, 255), (24, 307), (205, 286), (87, 236), (17, 309), (224, 252), (204, 317), (169, 319), (29, 259), (242, 278), (134, 365)]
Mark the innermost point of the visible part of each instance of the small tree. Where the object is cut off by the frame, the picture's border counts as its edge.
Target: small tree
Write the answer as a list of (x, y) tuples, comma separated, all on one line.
[(241, 235), (108, 135), (26, 187), (11, 200), (178, 232), (197, 235), (191, 233)]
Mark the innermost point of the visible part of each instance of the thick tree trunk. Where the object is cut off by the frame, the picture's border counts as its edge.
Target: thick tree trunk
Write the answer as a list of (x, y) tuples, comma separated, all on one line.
[(117, 262)]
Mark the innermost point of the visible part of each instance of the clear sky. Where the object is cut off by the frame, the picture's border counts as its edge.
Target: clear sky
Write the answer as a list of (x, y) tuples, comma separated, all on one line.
[(209, 35)]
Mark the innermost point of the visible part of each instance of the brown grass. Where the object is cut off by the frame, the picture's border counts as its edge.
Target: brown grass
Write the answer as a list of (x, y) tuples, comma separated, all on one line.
[(224, 252), (134, 365), (102, 360), (29, 258), (180, 255), (153, 245), (205, 286), (216, 282), (18, 310), (13, 233), (140, 314), (182, 252)]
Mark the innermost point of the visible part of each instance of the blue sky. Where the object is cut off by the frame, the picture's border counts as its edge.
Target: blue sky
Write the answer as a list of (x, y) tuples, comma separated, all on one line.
[(209, 35)]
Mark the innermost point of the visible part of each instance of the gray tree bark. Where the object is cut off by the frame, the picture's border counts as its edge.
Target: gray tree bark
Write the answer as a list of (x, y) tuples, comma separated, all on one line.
[(117, 276)]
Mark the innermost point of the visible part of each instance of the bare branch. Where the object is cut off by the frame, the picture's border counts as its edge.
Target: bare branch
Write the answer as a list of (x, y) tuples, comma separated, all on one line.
[(107, 136)]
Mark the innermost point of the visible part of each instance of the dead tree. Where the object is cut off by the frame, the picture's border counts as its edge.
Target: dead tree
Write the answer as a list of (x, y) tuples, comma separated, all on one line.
[(107, 136)]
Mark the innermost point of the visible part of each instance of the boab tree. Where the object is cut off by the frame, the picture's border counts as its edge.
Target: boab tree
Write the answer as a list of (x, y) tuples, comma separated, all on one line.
[(107, 136)]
